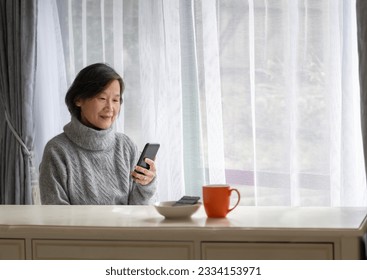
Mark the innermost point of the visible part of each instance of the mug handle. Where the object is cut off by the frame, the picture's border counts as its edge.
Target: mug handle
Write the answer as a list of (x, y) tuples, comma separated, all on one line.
[(238, 200)]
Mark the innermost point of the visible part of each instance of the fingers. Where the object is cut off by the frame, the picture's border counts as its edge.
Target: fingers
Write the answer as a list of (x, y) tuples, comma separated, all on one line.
[(151, 164), (144, 172), (142, 179), (144, 176)]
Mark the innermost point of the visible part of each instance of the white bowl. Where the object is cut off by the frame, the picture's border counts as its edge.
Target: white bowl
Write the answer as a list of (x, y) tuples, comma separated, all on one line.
[(166, 209)]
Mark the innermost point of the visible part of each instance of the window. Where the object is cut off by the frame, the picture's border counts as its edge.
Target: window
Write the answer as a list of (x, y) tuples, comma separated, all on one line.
[(262, 95)]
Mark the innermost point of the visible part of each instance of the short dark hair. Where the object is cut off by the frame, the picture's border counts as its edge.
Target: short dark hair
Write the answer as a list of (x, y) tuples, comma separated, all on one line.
[(89, 82)]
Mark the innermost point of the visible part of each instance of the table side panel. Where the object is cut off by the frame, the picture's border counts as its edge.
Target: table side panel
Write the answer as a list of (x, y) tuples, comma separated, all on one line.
[(267, 251), (100, 249), (12, 249)]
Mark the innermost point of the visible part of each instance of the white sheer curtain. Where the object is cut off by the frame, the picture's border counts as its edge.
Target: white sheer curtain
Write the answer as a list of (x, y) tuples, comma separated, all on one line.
[(260, 94), (50, 111)]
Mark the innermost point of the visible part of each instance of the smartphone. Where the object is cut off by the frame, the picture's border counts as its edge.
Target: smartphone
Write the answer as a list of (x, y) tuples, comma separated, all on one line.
[(187, 200), (150, 151)]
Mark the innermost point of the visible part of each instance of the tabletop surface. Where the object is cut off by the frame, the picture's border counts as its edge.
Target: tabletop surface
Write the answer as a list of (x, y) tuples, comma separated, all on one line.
[(348, 218)]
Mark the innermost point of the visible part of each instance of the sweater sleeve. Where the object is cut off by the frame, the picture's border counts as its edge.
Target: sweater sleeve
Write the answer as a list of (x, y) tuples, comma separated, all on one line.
[(53, 176), (142, 195)]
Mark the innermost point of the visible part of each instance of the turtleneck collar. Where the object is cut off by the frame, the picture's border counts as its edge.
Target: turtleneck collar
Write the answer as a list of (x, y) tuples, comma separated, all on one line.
[(89, 138)]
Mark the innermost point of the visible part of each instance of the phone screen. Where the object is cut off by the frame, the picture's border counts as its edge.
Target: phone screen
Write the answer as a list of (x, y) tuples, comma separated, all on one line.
[(150, 151)]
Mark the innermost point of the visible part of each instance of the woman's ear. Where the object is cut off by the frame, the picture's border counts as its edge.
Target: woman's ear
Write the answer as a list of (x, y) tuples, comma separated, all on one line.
[(78, 103)]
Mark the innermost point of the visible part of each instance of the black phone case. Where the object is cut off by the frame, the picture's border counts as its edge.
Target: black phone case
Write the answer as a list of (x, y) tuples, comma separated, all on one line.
[(150, 151), (187, 200)]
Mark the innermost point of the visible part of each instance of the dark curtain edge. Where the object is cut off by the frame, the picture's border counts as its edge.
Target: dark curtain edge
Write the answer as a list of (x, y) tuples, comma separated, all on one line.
[(361, 11), (18, 34)]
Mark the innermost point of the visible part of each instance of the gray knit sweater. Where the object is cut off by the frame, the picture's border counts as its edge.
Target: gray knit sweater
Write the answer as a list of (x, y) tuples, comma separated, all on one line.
[(87, 166)]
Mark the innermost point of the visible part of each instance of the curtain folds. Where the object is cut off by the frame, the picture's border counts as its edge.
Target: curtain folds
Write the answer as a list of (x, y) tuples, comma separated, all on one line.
[(159, 101), (17, 81), (261, 95)]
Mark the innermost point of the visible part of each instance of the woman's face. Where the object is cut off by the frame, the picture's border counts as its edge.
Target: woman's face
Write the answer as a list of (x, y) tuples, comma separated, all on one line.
[(100, 111)]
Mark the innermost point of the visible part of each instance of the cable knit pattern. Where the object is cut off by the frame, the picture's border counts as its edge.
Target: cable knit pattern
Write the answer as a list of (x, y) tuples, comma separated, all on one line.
[(88, 166)]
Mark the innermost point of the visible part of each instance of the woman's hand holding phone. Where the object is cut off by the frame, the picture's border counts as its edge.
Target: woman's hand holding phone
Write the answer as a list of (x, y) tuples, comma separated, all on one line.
[(142, 175), (145, 169)]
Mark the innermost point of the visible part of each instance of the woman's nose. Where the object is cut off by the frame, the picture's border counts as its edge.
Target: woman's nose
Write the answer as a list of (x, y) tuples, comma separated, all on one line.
[(109, 104)]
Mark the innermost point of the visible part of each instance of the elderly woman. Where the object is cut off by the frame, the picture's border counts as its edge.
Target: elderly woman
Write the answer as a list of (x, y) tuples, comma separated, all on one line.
[(89, 163)]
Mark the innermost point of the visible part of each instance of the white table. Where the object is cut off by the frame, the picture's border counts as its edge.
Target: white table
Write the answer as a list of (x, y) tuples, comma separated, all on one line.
[(139, 232)]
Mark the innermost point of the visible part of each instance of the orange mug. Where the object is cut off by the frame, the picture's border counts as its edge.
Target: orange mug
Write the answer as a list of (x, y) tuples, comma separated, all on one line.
[(216, 200)]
